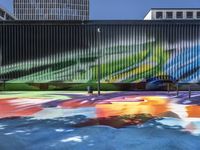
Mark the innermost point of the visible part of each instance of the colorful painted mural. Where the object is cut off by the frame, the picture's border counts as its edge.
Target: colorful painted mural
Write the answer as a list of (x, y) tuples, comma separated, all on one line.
[(43, 104), (118, 120), (128, 52)]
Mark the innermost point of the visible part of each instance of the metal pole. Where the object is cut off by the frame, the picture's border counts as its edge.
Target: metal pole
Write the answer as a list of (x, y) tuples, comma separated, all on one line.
[(99, 69), (168, 87), (177, 90), (189, 92), (4, 85)]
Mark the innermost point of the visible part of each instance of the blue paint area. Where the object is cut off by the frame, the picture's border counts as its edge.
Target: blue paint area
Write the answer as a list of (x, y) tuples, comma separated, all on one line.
[(59, 134), (189, 69)]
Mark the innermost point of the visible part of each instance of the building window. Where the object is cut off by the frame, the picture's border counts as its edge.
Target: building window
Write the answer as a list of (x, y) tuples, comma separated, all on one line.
[(198, 14), (179, 15), (169, 15), (159, 15), (189, 15)]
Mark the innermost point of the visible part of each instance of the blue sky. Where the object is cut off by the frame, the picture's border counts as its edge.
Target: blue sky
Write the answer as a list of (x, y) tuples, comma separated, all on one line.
[(124, 9)]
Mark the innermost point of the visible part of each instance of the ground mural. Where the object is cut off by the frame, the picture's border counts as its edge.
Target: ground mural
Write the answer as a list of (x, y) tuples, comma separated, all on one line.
[(74, 118)]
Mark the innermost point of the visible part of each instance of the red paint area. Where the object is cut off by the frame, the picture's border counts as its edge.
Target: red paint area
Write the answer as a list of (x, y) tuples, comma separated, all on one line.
[(9, 109)]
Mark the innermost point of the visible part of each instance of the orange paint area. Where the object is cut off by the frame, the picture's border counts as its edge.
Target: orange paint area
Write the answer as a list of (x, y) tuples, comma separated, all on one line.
[(193, 111), (152, 105)]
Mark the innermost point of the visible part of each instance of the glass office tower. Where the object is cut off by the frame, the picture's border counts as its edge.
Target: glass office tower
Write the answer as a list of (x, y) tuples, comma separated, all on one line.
[(51, 9)]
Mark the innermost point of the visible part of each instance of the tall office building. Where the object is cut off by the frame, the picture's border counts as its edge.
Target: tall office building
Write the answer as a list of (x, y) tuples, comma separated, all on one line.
[(173, 14), (51, 9)]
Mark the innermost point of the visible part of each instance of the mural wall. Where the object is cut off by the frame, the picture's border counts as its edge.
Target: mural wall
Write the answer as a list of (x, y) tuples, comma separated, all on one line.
[(129, 52)]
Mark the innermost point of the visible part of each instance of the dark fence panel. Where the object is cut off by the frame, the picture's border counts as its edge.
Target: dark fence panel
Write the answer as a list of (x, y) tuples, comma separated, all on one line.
[(128, 52)]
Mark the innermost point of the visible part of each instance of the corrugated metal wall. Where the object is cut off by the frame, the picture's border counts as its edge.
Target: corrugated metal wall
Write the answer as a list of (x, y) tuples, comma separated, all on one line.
[(131, 52)]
